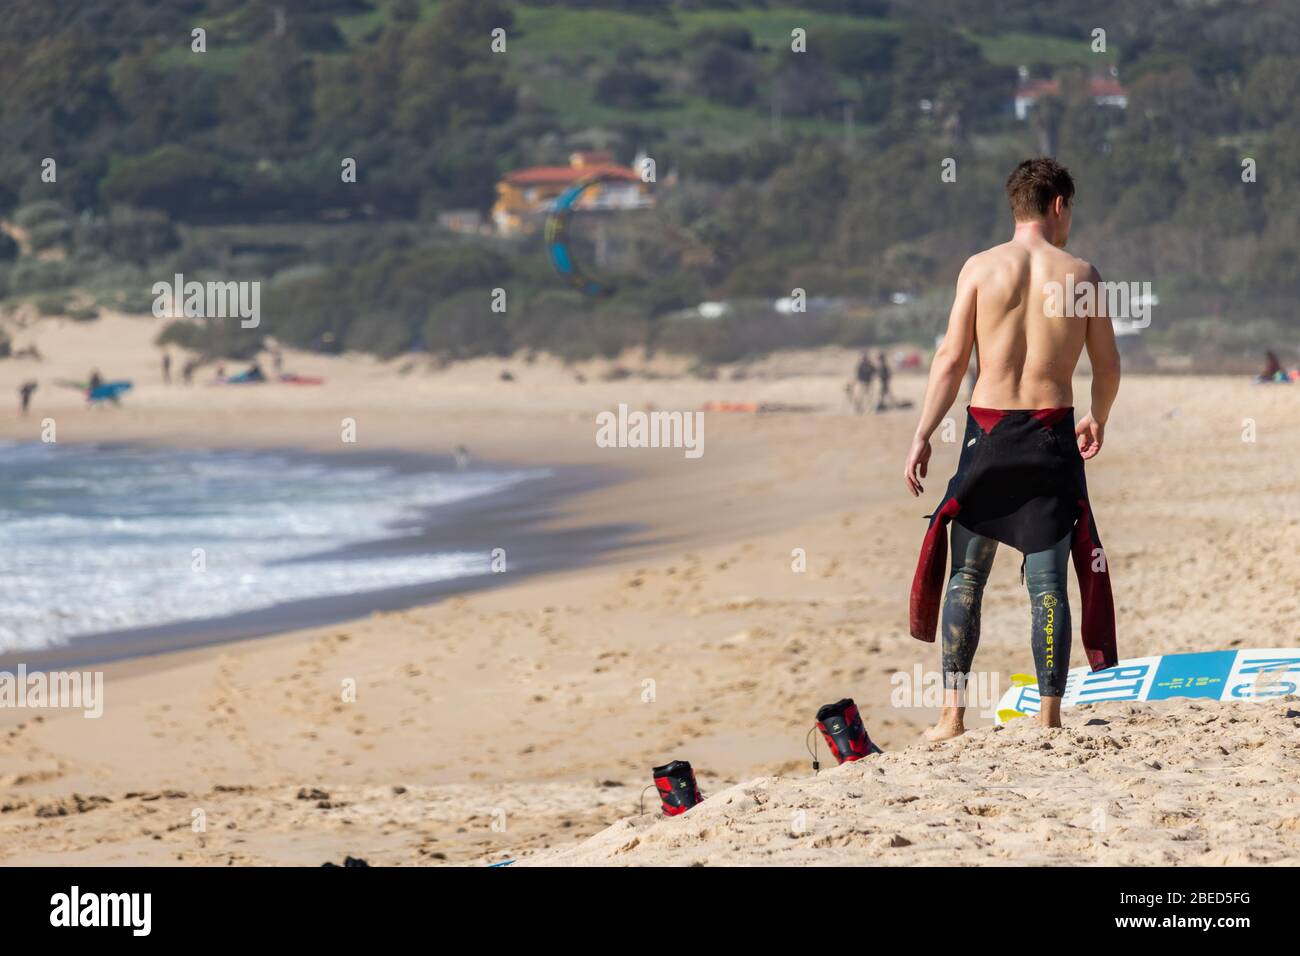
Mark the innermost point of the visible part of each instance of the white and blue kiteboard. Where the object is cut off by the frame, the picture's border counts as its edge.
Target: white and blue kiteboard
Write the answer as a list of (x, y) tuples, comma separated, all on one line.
[(1252, 674)]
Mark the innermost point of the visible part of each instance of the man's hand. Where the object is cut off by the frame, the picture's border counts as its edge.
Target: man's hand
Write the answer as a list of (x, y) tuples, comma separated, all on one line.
[(918, 465), (1090, 433)]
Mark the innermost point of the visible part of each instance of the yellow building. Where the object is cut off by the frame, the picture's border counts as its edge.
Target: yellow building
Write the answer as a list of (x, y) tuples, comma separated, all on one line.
[(524, 196)]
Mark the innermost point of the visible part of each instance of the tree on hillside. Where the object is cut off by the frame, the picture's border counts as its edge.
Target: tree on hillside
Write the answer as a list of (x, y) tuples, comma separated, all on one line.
[(627, 88), (358, 96), (725, 74), (180, 180), (1272, 92), (450, 76), (58, 83), (269, 100), (1174, 106), (940, 65)]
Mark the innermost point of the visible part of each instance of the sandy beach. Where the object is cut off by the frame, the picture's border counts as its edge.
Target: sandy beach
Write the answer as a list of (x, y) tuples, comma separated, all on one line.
[(520, 722), (1186, 782)]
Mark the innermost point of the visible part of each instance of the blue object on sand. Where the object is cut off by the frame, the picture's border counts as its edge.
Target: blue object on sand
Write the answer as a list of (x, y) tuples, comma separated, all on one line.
[(108, 391)]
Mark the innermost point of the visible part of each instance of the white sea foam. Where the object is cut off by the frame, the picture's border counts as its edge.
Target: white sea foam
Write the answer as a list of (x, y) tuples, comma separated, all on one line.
[(98, 539)]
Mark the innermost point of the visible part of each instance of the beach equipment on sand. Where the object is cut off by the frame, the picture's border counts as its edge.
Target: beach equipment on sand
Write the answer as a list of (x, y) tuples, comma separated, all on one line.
[(288, 378), (108, 392), (103, 392), (1250, 674), (675, 782), (760, 408), (846, 736)]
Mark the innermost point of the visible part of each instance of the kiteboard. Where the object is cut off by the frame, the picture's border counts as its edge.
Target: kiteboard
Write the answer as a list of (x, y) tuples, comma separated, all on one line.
[(1251, 674), (105, 391), (109, 391)]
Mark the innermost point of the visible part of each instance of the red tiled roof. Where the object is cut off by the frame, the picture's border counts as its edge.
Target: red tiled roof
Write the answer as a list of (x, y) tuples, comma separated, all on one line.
[(564, 175), (1104, 86), (1037, 87)]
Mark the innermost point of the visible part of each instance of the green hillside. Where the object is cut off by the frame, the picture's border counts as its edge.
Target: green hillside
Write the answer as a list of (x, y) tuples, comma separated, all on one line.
[(780, 166)]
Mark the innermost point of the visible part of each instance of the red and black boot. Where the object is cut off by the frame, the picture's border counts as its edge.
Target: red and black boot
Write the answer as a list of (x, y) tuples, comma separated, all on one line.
[(846, 736), (677, 789)]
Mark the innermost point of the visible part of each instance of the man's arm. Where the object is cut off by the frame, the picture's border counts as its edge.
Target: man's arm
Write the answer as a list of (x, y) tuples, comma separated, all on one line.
[(951, 360), (1103, 355)]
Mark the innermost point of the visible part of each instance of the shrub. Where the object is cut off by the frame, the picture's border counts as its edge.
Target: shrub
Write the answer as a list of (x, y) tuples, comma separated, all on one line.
[(213, 338)]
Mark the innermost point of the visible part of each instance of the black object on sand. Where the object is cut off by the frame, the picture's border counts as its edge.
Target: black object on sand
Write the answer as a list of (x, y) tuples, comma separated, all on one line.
[(676, 784), (841, 725)]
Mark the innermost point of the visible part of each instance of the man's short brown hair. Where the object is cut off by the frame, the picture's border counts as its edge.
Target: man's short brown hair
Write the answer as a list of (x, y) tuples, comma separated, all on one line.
[(1034, 184)]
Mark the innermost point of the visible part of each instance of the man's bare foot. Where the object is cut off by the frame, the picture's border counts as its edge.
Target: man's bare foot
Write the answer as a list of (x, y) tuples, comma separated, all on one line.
[(945, 729)]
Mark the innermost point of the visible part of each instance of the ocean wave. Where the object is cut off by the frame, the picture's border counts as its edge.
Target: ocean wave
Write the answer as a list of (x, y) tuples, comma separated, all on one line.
[(98, 539)]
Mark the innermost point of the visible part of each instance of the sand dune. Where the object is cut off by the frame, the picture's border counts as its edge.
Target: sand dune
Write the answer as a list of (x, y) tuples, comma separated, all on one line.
[(1180, 783)]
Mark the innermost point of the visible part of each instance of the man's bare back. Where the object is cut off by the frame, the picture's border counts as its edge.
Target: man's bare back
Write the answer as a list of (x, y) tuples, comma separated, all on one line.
[(1026, 356)]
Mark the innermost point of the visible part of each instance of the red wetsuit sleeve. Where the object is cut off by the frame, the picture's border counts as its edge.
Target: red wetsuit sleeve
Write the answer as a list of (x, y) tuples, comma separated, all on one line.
[(927, 584)]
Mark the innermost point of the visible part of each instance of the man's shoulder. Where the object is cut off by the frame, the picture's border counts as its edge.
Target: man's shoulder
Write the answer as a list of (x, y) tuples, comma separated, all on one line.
[(991, 258), (1068, 262), (993, 253), (1013, 254)]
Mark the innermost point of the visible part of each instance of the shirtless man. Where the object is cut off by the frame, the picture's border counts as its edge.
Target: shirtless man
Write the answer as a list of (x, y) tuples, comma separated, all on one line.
[(1021, 476)]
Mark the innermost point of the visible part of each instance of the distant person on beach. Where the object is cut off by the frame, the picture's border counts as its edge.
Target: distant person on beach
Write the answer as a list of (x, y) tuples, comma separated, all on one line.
[(860, 387), (1020, 477), (167, 368), (25, 396), (187, 371), (277, 361), (886, 399), (1273, 371), (96, 379)]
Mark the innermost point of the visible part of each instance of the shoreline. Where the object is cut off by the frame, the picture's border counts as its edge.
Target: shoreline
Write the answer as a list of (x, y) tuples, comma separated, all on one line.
[(514, 518)]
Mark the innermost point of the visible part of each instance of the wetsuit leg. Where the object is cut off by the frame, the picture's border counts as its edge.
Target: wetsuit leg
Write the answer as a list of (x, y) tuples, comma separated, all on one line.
[(972, 559), (1049, 608)]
